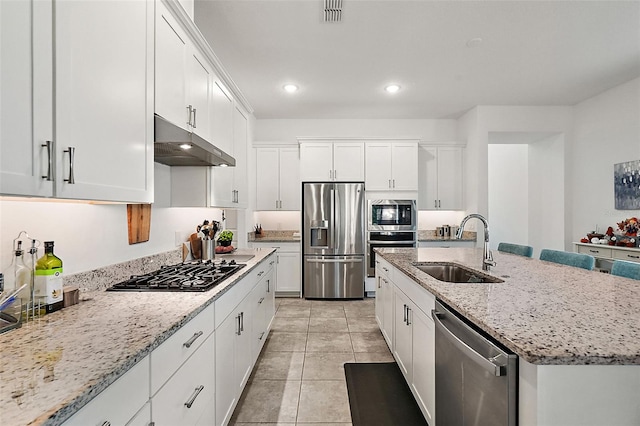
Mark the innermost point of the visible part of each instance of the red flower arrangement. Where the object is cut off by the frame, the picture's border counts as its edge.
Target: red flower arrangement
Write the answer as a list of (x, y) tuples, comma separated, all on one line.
[(629, 226)]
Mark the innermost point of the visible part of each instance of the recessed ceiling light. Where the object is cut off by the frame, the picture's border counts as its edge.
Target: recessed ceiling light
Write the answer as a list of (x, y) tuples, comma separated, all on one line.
[(185, 146), (474, 42), (291, 88), (392, 88)]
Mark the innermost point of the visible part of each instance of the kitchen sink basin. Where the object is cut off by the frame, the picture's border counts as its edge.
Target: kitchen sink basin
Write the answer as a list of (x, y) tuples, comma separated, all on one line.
[(454, 273)]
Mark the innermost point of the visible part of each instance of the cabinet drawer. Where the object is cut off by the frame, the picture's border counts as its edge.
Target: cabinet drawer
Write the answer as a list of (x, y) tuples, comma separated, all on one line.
[(628, 255), (418, 295), (383, 267), (129, 393), (182, 401), (595, 251), (173, 352)]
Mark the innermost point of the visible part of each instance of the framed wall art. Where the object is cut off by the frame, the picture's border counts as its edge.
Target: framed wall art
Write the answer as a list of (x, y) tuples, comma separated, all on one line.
[(626, 178)]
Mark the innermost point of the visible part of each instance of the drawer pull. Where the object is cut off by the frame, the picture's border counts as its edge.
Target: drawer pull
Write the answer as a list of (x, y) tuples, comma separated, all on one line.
[(189, 342), (106, 423), (595, 251), (260, 273), (261, 336), (633, 257), (260, 301), (49, 175), (191, 400)]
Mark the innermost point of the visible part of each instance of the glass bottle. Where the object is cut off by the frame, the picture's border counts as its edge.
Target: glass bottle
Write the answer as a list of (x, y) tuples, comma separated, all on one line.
[(48, 280)]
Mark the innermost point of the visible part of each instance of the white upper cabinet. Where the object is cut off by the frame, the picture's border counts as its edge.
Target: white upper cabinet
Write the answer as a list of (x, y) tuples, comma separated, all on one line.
[(221, 109), (391, 165), (332, 161), (277, 178), (102, 109), (26, 114), (199, 85), (229, 184), (441, 178)]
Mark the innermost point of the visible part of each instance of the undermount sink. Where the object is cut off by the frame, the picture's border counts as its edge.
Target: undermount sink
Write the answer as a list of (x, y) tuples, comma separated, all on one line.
[(454, 273)]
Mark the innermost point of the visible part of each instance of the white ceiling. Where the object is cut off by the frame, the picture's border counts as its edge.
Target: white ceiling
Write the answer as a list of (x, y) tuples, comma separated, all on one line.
[(532, 53)]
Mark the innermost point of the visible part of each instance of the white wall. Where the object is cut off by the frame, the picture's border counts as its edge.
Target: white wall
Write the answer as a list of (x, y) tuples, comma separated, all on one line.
[(606, 132), (277, 221), (287, 131), (547, 193), (508, 193)]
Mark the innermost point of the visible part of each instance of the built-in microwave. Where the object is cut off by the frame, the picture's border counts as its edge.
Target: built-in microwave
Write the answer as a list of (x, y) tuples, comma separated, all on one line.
[(392, 215)]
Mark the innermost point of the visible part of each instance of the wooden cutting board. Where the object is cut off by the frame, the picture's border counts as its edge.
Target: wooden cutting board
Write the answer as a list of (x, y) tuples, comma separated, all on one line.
[(139, 222)]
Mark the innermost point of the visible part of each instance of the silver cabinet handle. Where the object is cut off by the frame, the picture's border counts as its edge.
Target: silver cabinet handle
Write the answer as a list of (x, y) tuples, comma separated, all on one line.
[(389, 183), (435, 203), (189, 110), (404, 310), (194, 118), (335, 174), (379, 281), (260, 273), (106, 423), (49, 175), (238, 324), (439, 204), (330, 174), (633, 257), (408, 315), (189, 342), (394, 183), (260, 301), (72, 154), (276, 204), (496, 370), (241, 322), (261, 336), (268, 286), (191, 400)]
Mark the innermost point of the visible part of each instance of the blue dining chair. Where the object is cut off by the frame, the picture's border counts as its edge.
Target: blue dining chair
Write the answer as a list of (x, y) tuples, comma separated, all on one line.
[(518, 249), (626, 269), (579, 260)]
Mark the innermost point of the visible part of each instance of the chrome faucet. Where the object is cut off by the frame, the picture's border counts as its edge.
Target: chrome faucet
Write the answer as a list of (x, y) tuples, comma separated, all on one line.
[(487, 256)]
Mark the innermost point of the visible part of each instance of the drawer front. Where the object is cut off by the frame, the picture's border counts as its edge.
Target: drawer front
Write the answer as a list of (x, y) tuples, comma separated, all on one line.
[(228, 302), (424, 300), (595, 251), (129, 393), (628, 255), (173, 352), (181, 401), (383, 267)]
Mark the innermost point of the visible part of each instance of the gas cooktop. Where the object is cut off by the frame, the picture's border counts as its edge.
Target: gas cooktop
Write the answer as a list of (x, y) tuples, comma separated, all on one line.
[(191, 276)]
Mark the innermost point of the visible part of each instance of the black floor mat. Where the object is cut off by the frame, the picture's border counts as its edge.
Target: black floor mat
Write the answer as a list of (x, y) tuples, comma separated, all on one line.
[(379, 395)]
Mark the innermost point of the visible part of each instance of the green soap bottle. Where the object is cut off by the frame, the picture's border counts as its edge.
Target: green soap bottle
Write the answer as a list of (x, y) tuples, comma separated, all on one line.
[(48, 280)]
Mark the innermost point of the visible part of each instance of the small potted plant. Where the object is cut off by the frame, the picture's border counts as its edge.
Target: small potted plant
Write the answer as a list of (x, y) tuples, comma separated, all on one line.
[(225, 238)]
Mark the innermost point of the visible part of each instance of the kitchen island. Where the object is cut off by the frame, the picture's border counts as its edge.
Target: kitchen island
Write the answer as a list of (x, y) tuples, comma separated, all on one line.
[(576, 332), (53, 366)]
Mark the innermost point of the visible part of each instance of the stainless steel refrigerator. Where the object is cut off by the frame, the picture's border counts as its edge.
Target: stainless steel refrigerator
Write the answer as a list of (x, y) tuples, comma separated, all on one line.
[(333, 244)]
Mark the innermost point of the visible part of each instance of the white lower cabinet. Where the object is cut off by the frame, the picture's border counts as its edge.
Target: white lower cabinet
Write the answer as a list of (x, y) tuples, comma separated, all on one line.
[(129, 394), (288, 277), (190, 392), (414, 340), (384, 300), (263, 298)]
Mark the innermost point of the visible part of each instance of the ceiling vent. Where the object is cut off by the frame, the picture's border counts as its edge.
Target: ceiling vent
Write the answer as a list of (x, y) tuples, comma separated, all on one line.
[(332, 10)]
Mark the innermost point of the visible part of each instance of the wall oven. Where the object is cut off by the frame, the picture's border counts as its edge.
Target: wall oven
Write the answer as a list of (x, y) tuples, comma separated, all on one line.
[(390, 223)]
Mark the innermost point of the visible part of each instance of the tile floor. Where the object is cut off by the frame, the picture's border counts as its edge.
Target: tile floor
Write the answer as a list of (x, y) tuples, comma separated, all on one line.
[(299, 377)]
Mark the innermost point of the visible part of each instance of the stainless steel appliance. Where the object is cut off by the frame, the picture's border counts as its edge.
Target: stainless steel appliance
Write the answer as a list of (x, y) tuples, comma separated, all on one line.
[(391, 223), (392, 215), (333, 240), (476, 380), (190, 276)]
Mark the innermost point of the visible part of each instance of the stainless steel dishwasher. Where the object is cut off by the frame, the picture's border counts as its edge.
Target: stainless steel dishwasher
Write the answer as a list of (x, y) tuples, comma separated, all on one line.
[(476, 381)]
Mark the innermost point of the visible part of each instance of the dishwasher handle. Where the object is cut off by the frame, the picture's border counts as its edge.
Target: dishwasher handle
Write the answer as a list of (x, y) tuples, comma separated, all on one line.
[(496, 370)]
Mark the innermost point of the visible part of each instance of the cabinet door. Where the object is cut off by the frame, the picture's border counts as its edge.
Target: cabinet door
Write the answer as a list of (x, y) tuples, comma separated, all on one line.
[(221, 117), (199, 81), (404, 163), (424, 384), (240, 141), (289, 179), (348, 161), (450, 178), (26, 98), (244, 356), (288, 273), (378, 166), (226, 394), (316, 161), (402, 349), (184, 398), (379, 301), (170, 73), (388, 302), (267, 176), (103, 103), (428, 178)]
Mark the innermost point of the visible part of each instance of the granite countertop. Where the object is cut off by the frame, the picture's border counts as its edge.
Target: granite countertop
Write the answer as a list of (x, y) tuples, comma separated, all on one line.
[(51, 367), (544, 312), (274, 237), (430, 235)]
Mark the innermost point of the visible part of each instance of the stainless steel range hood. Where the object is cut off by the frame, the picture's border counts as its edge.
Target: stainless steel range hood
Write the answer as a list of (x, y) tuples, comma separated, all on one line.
[(175, 146)]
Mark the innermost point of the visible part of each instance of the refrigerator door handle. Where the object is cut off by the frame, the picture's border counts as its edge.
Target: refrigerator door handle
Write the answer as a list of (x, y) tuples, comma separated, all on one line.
[(333, 218), (354, 260)]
